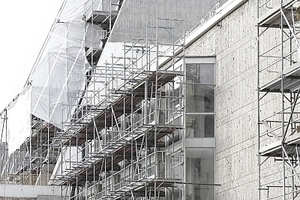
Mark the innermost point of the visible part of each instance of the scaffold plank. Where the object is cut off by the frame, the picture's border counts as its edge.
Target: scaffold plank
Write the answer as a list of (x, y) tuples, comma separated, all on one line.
[(290, 78)]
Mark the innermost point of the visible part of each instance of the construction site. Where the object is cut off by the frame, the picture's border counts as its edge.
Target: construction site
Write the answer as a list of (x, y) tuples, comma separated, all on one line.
[(173, 99)]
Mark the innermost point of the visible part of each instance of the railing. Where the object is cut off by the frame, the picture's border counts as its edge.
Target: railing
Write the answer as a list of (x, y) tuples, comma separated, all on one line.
[(124, 179)]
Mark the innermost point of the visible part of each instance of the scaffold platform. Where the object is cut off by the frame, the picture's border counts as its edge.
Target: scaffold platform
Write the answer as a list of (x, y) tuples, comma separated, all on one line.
[(272, 18), (290, 78)]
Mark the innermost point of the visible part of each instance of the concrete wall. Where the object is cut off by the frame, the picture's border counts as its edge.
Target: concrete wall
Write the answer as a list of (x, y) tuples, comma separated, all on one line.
[(28, 191), (40, 197), (136, 15), (17, 198), (233, 42), (49, 197)]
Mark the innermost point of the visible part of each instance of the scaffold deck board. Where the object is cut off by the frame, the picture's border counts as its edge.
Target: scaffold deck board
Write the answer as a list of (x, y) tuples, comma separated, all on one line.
[(100, 17), (272, 18), (290, 79), (123, 105), (275, 149)]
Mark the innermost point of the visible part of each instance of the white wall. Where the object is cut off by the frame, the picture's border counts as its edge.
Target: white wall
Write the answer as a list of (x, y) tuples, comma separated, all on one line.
[(28, 190)]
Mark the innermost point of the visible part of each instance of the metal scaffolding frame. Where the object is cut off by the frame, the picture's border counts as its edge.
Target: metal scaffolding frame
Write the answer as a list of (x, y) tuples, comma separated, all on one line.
[(125, 139), (34, 161), (3, 144), (126, 129), (278, 99)]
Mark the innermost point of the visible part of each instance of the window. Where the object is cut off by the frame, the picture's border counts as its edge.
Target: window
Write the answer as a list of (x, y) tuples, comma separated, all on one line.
[(199, 98), (199, 128), (200, 173)]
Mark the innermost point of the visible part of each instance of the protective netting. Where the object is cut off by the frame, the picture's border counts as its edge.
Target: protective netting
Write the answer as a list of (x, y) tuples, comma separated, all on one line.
[(59, 76)]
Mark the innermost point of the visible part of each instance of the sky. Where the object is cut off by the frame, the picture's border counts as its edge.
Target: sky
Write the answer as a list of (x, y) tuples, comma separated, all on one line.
[(24, 28)]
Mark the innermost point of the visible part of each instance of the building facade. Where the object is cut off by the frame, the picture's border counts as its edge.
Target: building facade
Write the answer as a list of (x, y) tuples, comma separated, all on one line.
[(162, 100)]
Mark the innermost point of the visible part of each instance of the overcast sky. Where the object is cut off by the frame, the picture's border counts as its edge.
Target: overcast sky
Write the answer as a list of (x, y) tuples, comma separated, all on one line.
[(24, 27)]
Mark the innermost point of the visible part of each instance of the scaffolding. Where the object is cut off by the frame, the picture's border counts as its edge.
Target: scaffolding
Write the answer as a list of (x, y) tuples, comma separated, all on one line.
[(121, 142), (3, 144), (123, 134), (34, 160), (278, 99)]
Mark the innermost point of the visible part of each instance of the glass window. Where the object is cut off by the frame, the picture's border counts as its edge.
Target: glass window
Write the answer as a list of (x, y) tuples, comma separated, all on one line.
[(199, 100), (200, 73), (199, 170), (199, 125)]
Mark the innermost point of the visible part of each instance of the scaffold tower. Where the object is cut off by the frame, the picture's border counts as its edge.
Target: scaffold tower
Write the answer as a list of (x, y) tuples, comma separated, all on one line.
[(34, 160), (278, 99), (117, 144), (116, 112)]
